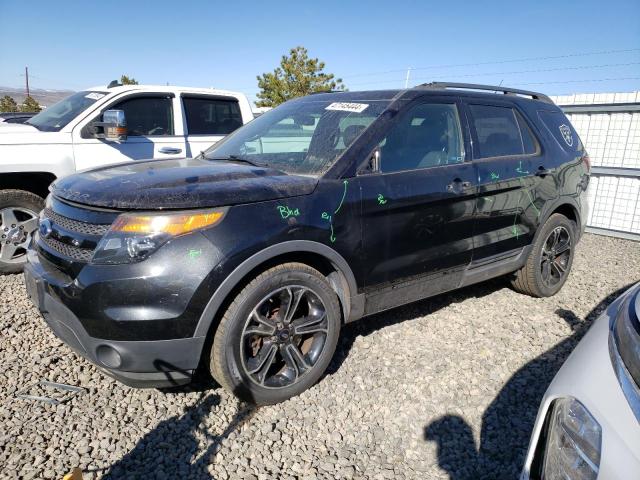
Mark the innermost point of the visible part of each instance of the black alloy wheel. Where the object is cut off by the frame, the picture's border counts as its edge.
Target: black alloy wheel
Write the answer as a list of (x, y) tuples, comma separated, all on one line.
[(556, 253), (278, 334)]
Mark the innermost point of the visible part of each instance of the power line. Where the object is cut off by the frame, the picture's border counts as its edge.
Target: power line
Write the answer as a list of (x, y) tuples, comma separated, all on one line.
[(581, 81), (497, 62), (537, 70)]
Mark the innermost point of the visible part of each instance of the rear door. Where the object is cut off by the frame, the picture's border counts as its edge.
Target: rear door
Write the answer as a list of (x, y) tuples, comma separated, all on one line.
[(151, 129), (418, 210), (507, 156), (207, 119)]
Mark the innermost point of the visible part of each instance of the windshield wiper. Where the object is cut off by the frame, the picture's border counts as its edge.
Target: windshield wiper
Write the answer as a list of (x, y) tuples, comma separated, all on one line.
[(233, 158)]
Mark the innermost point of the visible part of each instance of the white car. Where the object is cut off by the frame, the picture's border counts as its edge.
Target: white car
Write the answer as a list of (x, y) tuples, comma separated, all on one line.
[(101, 126), (588, 425)]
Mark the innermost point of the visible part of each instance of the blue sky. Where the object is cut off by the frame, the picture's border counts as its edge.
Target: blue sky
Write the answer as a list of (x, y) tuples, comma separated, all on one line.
[(75, 44)]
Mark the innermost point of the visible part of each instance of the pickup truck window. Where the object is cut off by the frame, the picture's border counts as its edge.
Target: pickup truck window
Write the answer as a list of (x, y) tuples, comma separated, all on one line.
[(147, 116), (58, 115), (211, 116)]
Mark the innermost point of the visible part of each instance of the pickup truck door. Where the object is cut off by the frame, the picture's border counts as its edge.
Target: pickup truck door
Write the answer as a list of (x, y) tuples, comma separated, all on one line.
[(207, 119), (153, 132)]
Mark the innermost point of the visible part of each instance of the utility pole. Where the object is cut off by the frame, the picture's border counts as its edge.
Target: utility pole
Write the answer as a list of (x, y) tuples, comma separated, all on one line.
[(26, 75), (406, 80)]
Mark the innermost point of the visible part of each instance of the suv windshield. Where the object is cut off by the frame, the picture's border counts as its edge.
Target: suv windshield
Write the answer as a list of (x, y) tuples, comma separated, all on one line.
[(55, 117), (303, 136)]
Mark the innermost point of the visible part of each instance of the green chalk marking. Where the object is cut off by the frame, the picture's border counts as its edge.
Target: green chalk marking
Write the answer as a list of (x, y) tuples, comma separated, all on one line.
[(344, 194), (286, 212), (193, 253), (494, 176), (381, 199), (332, 237)]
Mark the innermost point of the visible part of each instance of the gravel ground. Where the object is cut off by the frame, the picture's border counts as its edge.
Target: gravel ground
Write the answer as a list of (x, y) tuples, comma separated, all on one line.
[(444, 388)]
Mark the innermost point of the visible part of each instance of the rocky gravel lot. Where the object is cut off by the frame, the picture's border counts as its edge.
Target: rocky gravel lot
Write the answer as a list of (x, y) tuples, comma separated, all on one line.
[(444, 388)]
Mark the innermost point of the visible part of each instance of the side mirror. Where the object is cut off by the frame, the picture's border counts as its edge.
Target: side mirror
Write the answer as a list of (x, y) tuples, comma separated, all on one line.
[(112, 128), (115, 125)]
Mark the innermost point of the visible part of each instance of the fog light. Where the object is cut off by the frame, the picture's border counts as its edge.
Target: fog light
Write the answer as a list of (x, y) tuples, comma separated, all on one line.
[(573, 444), (108, 356)]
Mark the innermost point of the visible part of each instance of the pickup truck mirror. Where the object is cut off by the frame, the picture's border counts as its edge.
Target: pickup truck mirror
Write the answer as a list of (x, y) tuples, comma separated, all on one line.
[(113, 126)]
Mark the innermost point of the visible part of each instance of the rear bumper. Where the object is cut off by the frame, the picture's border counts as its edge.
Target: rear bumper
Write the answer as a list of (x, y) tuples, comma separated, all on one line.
[(148, 363)]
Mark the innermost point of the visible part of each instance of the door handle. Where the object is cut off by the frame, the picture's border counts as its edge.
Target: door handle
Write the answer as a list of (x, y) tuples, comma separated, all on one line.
[(542, 172), (457, 186), (170, 150)]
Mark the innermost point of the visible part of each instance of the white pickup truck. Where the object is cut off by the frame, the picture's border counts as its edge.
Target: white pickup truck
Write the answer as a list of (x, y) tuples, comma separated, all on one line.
[(100, 126)]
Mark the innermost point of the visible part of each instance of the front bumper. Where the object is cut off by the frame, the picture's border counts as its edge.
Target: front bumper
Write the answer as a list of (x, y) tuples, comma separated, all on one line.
[(138, 363), (588, 376)]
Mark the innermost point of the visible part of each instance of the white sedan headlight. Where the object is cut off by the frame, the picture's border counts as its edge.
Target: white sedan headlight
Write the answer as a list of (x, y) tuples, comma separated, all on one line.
[(573, 443)]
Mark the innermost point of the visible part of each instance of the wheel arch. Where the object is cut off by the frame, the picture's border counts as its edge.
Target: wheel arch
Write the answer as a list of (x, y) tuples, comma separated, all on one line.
[(566, 207), (34, 182), (317, 255)]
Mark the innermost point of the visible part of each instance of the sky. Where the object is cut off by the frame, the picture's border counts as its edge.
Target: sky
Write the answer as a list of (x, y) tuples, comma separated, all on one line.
[(557, 47)]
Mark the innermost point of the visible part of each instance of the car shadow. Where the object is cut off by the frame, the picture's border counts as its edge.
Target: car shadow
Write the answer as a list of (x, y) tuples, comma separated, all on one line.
[(173, 448), (508, 421), (378, 321)]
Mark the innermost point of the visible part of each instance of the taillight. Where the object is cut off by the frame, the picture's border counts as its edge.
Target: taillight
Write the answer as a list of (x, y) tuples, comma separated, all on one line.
[(586, 160)]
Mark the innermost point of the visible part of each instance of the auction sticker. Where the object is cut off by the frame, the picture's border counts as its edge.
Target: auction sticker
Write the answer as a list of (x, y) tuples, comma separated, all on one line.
[(348, 107)]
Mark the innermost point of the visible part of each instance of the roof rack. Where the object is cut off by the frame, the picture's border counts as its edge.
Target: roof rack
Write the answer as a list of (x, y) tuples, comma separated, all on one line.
[(472, 86)]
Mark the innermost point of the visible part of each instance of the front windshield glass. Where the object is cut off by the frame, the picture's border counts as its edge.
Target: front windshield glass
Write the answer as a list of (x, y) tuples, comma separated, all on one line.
[(55, 117), (303, 136)]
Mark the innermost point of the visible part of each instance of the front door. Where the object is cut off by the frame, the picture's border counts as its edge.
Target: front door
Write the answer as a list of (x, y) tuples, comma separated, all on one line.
[(151, 128), (418, 209)]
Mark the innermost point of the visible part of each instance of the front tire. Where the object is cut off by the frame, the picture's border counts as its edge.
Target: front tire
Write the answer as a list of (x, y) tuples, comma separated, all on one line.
[(18, 220), (550, 260), (278, 335)]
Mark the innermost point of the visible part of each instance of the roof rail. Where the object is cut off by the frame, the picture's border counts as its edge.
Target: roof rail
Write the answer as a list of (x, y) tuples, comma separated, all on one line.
[(472, 86)]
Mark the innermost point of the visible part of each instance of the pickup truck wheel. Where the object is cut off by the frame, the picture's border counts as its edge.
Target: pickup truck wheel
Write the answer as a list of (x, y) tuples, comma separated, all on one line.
[(278, 335), (550, 260), (18, 220)]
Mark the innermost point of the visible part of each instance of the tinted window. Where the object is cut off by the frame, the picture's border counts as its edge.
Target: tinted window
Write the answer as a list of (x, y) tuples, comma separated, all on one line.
[(529, 142), (212, 116), (428, 135), (147, 116), (562, 130), (498, 132)]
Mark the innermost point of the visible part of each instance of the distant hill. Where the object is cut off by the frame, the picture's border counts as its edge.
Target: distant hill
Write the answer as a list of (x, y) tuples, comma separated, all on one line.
[(44, 97)]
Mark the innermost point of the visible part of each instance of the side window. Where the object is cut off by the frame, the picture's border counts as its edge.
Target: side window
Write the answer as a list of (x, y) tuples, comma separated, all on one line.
[(428, 135), (211, 116), (560, 127), (147, 116), (501, 132)]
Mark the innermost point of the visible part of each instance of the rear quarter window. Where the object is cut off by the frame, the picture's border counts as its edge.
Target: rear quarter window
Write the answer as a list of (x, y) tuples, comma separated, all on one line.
[(561, 129)]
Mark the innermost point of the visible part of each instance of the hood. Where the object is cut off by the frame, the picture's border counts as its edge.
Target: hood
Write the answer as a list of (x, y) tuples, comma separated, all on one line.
[(180, 183), (16, 128)]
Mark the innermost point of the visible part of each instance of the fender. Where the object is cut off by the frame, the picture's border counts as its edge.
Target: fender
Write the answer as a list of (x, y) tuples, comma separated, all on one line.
[(552, 206), (353, 304)]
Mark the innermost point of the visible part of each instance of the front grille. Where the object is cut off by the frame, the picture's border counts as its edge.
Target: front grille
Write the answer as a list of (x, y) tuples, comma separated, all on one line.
[(75, 225), (76, 253)]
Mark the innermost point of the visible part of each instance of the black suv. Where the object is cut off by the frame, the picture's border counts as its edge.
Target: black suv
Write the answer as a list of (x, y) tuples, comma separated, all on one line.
[(329, 208)]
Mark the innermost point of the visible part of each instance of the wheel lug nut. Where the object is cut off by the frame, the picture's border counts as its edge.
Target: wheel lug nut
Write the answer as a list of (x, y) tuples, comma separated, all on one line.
[(13, 225)]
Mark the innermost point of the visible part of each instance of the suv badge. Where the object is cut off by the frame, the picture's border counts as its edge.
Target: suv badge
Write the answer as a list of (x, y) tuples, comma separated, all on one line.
[(566, 134), (45, 228)]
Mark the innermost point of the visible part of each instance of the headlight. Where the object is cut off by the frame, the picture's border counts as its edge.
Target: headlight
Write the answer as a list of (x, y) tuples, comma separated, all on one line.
[(133, 237), (626, 334), (573, 443)]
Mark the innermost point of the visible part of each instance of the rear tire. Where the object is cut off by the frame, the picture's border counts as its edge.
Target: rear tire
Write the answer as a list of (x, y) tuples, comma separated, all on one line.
[(277, 336), (18, 220), (550, 259)]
